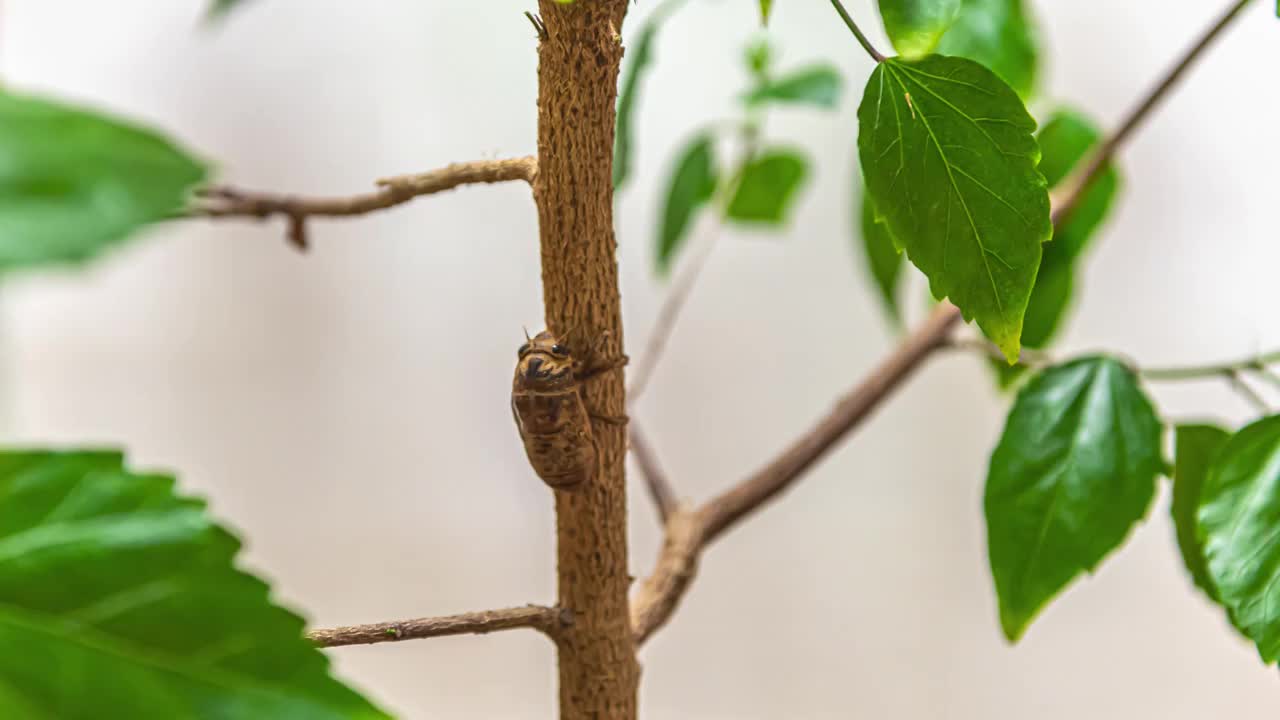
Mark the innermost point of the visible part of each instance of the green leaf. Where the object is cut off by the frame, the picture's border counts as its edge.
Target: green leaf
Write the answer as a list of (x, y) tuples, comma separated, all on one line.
[(1064, 141), (693, 182), (73, 182), (1074, 471), (639, 58), (1237, 526), (1194, 446), (950, 162), (759, 60), (817, 85), (766, 7), (884, 260), (119, 599), (767, 186), (916, 26), (1000, 35), (219, 9)]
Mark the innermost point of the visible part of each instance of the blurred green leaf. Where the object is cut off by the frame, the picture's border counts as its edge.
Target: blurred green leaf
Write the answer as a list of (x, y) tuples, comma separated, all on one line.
[(1074, 470), (949, 160), (1000, 35), (766, 8), (767, 187), (1237, 526), (883, 259), (692, 184), (916, 26), (120, 599), (73, 182), (1194, 447), (219, 8), (759, 60), (1064, 141), (638, 58), (815, 85)]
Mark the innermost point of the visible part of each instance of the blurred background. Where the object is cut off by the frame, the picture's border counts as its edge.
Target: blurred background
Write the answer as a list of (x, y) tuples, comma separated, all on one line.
[(347, 410)]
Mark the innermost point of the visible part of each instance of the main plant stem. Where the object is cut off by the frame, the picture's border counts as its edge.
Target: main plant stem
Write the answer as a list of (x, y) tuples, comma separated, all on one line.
[(578, 60)]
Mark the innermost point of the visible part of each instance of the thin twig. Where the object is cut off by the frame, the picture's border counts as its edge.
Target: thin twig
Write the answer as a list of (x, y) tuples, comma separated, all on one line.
[(660, 593), (672, 305), (1199, 372), (1235, 378), (660, 490), (226, 202), (546, 620), (1076, 184), (1027, 358), (857, 32)]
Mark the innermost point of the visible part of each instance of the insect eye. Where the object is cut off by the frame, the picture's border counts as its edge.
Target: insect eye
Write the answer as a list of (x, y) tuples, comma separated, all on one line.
[(523, 349), (559, 350)]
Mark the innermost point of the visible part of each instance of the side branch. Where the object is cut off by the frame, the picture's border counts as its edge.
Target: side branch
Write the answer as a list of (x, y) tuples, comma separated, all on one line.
[(225, 202), (546, 620), (688, 532)]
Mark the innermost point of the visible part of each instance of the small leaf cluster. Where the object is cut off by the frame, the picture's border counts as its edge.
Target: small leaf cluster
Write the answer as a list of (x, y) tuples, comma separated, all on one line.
[(760, 185)]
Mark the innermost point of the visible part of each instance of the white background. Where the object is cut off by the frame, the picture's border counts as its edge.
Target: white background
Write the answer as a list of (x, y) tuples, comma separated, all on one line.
[(347, 410)]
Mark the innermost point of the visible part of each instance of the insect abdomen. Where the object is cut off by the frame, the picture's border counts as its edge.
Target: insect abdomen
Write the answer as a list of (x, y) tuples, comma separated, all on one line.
[(557, 436)]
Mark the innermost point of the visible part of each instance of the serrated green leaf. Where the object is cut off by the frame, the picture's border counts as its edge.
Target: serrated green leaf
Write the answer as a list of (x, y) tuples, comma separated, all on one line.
[(767, 186), (1237, 526), (1064, 141), (948, 156), (999, 34), (883, 259), (74, 182), (119, 599), (1074, 470), (692, 184), (916, 26), (817, 85), (1194, 447)]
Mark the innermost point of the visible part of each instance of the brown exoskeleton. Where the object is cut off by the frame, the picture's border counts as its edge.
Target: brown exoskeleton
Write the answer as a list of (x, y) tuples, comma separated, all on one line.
[(554, 423)]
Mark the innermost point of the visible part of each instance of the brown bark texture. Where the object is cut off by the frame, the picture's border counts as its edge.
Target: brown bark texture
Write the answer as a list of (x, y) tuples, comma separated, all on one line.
[(578, 60)]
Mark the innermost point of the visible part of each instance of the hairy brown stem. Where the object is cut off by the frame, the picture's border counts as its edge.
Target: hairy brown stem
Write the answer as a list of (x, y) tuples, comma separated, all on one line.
[(578, 58), (546, 620), (660, 593), (227, 202)]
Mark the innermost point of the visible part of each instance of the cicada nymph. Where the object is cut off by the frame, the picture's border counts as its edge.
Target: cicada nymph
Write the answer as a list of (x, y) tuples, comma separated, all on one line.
[(550, 414), (553, 420)]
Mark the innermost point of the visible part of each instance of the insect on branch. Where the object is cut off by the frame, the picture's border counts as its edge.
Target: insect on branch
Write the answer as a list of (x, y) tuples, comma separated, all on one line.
[(227, 202)]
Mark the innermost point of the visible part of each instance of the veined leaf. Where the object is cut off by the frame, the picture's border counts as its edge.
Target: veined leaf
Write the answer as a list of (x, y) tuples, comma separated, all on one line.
[(916, 26), (1000, 35), (767, 187), (693, 183), (1194, 447), (950, 162), (1237, 525), (73, 182), (1074, 471), (817, 85), (884, 260), (119, 599)]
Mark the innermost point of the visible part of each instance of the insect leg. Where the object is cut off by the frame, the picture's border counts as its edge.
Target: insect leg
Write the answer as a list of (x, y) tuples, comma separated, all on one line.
[(614, 364)]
